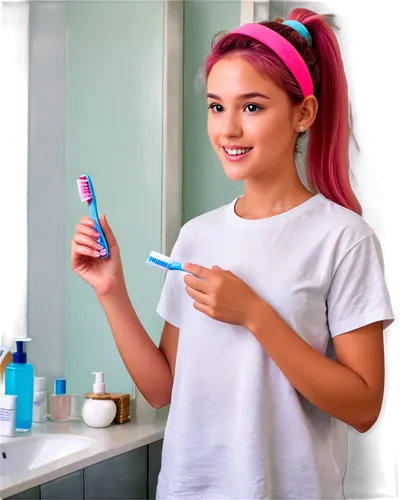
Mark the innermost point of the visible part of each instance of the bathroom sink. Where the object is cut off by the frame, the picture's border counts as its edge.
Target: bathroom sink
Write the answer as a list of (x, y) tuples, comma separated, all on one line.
[(26, 453)]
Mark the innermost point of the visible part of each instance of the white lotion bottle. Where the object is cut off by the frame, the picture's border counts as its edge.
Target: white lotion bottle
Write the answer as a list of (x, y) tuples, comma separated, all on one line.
[(99, 412), (39, 400), (8, 405)]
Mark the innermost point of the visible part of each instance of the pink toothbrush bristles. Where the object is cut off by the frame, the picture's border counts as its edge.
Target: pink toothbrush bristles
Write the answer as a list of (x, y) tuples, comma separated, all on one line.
[(84, 190)]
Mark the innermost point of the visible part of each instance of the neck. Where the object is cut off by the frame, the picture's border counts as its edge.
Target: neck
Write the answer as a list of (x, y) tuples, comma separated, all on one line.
[(272, 195)]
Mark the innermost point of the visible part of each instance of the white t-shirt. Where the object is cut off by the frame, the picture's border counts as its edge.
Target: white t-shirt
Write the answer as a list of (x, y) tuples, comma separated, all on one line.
[(237, 428)]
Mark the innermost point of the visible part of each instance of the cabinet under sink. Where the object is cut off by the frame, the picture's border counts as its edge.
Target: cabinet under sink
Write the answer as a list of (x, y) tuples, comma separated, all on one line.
[(132, 476)]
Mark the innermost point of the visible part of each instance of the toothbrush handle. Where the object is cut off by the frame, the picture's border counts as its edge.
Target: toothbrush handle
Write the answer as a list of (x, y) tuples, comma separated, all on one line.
[(102, 239), (178, 266)]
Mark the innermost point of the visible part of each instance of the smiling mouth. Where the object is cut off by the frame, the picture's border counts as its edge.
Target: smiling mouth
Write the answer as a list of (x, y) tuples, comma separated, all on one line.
[(237, 152)]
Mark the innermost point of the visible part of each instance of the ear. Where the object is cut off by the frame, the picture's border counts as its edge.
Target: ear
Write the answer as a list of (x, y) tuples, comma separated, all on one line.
[(305, 114)]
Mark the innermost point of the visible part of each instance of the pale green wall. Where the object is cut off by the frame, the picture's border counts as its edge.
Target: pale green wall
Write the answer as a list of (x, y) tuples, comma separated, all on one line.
[(205, 185), (114, 133)]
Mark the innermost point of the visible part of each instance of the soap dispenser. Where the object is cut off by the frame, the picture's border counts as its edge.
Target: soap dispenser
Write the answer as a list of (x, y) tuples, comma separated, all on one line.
[(99, 410), (19, 382)]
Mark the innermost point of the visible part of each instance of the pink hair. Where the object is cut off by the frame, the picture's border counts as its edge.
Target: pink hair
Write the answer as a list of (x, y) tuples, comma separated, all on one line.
[(327, 155)]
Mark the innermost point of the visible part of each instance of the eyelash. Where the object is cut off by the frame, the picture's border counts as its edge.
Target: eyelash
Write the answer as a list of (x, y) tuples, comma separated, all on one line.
[(212, 106)]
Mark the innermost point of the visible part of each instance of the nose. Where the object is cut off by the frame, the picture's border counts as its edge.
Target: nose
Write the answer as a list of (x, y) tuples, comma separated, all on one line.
[(231, 125)]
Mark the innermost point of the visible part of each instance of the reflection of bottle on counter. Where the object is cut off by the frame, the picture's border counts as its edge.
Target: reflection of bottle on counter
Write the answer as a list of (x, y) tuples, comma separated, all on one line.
[(19, 382), (39, 400), (60, 401)]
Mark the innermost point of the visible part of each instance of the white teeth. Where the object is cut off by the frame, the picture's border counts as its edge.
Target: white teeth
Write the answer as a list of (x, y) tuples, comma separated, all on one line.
[(237, 151)]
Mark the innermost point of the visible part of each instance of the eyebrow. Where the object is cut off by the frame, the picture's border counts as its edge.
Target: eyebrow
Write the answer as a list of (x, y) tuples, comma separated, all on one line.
[(249, 95)]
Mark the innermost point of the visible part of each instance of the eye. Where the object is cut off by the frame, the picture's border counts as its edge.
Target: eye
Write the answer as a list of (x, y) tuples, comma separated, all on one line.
[(214, 106), (254, 107)]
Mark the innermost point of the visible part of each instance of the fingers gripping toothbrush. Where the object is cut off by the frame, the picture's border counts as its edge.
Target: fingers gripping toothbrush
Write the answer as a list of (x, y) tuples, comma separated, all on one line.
[(86, 192)]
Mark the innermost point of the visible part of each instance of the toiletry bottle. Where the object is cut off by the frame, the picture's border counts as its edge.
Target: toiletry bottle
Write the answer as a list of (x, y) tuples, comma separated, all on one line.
[(60, 401), (8, 405), (99, 412), (39, 400), (19, 382)]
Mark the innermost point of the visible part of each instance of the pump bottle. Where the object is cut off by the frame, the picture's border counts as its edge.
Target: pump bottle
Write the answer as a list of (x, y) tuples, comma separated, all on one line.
[(99, 412), (19, 382)]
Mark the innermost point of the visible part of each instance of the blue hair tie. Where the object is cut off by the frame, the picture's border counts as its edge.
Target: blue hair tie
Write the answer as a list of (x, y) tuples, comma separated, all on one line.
[(300, 28)]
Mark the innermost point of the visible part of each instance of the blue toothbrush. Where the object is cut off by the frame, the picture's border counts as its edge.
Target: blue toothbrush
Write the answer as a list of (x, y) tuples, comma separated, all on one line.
[(86, 192), (166, 263)]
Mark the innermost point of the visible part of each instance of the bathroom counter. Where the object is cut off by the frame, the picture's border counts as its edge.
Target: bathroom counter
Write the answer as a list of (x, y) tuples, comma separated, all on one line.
[(145, 427)]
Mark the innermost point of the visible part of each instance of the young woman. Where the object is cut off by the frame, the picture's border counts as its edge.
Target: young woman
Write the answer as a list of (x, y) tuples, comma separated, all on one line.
[(272, 343)]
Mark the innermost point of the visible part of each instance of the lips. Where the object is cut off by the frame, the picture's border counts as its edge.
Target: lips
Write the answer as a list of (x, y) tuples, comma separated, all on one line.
[(234, 150), (236, 157)]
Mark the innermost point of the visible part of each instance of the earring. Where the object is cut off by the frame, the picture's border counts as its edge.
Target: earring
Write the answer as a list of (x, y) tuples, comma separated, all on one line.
[(302, 127)]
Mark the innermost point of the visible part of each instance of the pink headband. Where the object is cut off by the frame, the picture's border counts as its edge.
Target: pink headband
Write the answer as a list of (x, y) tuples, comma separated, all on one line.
[(284, 50)]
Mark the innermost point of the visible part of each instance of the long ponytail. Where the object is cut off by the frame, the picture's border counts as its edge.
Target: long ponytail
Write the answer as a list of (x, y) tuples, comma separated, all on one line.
[(327, 156)]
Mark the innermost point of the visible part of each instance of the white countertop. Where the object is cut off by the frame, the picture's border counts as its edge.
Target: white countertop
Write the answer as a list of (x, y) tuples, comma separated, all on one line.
[(146, 426)]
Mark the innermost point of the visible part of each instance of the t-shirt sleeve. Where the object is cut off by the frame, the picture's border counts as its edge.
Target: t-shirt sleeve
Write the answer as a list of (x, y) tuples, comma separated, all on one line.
[(358, 294), (172, 294)]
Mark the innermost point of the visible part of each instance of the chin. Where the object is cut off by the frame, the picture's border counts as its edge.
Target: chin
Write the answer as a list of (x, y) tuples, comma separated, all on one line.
[(235, 173)]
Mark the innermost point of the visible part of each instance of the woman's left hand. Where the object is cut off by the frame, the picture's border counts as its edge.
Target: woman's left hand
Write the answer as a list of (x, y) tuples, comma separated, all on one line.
[(221, 294)]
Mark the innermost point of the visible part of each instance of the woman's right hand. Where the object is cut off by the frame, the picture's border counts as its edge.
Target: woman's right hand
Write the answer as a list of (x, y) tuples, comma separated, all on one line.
[(104, 275)]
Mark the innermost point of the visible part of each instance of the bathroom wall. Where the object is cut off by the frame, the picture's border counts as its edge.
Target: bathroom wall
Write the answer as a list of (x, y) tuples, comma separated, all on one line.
[(96, 107)]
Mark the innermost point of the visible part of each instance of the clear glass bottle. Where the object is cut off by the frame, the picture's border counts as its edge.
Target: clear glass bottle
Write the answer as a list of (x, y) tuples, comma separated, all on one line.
[(60, 404)]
